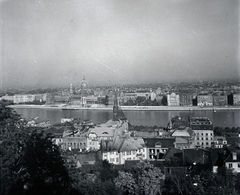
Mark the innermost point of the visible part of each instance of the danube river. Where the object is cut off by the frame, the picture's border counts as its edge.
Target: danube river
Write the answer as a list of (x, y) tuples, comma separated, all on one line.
[(223, 118)]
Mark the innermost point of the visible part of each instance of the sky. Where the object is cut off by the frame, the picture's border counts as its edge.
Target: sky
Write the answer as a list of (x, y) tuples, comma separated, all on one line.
[(57, 42)]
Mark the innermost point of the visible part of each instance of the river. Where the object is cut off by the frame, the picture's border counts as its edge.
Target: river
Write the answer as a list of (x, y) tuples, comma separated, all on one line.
[(225, 118)]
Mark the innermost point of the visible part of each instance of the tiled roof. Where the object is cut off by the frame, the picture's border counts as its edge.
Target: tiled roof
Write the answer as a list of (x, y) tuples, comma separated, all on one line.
[(122, 143), (180, 140), (171, 152)]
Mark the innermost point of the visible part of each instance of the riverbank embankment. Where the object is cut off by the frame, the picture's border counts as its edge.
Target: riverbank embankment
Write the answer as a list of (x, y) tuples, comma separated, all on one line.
[(129, 108)]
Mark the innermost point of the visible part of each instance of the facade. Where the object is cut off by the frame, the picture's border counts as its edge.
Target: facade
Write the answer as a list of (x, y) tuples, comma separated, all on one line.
[(173, 99), (236, 99), (205, 100), (203, 129), (157, 147), (81, 143), (220, 100), (185, 99), (23, 98)]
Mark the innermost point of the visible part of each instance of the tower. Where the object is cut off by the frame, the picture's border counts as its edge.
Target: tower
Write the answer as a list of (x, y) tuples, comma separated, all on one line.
[(115, 107), (117, 111)]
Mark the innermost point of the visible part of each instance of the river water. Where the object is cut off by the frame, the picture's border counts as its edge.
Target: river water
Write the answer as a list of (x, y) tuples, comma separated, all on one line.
[(230, 118)]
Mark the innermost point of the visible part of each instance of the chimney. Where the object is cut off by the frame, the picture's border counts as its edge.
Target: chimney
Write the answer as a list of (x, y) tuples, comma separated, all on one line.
[(234, 155)]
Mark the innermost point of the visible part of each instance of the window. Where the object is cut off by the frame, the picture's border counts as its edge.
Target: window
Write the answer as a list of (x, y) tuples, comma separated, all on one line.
[(230, 165), (111, 159), (129, 153), (117, 159), (206, 134), (238, 165), (111, 152), (123, 153), (206, 143), (143, 150)]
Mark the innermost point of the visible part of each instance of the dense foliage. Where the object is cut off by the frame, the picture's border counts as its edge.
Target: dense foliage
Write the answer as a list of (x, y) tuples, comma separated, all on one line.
[(30, 162)]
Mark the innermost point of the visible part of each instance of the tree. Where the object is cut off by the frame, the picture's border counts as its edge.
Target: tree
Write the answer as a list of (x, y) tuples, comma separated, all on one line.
[(125, 183), (40, 168), (143, 179)]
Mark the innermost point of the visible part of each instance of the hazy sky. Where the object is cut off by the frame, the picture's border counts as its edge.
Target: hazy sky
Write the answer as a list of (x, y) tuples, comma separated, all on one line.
[(55, 42)]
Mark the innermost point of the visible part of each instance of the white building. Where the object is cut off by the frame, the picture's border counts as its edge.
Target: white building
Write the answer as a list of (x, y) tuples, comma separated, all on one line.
[(233, 162), (173, 99), (123, 148), (203, 129)]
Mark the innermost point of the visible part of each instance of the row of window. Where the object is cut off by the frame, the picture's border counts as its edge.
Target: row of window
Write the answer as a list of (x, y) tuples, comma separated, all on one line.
[(153, 150), (230, 165), (204, 139), (202, 143), (128, 152), (74, 144), (206, 134)]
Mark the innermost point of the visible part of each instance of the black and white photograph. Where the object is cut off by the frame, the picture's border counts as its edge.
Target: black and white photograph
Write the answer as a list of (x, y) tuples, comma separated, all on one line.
[(120, 97)]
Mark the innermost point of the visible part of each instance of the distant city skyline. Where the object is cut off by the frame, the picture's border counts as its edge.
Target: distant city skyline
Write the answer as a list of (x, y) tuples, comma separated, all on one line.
[(54, 43)]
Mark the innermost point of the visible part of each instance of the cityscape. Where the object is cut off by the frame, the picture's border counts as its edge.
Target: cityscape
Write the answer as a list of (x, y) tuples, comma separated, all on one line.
[(119, 97)]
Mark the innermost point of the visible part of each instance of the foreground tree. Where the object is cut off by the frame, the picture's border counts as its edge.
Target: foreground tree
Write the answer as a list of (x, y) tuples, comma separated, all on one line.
[(12, 136), (40, 169)]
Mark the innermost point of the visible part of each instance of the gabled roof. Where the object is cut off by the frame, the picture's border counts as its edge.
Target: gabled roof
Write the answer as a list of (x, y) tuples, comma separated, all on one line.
[(233, 151), (122, 144), (165, 142)]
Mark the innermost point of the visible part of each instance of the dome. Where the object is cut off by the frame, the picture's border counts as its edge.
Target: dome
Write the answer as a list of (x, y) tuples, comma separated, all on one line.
[(84, 84)]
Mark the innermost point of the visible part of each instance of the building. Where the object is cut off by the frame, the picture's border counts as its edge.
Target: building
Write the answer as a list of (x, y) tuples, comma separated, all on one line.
[(204, 100), (173, 99), (23, 98), (220, 100), (157, 147), (203, 129), (236, 99), (184, 138), (233, 161), (185, 99), (123, 148)]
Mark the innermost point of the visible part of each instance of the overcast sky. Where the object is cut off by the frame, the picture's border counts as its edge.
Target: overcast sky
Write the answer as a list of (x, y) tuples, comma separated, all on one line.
[(56, 42)]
